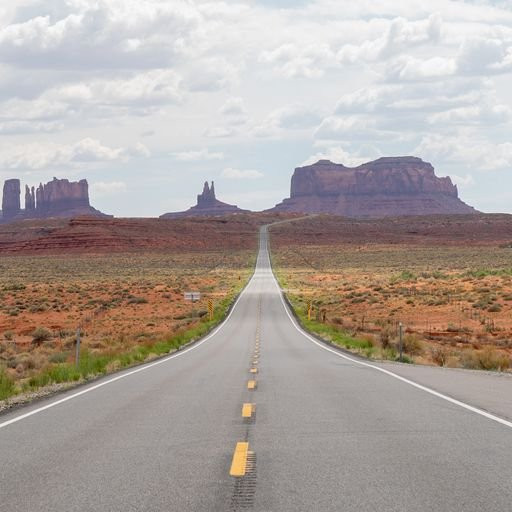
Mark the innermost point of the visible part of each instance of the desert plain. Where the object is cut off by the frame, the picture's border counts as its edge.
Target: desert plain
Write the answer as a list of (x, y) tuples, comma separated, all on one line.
[(121, 282)]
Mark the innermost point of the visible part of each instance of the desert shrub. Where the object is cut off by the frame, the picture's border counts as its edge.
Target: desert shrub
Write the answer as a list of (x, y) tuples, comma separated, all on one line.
[(9, 335), (413, 345), (137, 300), (385, 336), (438, 355), (495, 308), (40, 335), (14, 287), (486, 359)]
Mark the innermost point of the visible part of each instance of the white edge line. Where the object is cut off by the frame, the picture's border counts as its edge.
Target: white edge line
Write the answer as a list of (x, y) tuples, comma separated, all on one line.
[(454, 401), (128, 373)]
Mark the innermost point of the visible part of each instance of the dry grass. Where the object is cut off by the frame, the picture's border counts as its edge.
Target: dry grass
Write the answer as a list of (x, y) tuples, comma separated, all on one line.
[(122, 303), (455, 302)]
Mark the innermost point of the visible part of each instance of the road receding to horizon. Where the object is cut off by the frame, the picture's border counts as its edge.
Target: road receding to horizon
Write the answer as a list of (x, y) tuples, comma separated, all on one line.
[(260, 416)]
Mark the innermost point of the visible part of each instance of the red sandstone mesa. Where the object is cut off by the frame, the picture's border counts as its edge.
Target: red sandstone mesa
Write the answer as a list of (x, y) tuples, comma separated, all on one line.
[(390, 186), (57, 198)]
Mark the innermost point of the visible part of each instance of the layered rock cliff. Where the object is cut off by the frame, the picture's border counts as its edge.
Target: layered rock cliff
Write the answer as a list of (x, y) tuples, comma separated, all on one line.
[(11, 207), (390, 186), (207, 206), (57, 198)]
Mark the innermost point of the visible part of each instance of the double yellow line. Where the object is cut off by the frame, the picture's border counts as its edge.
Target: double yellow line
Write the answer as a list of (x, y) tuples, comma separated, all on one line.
[(239, 462)]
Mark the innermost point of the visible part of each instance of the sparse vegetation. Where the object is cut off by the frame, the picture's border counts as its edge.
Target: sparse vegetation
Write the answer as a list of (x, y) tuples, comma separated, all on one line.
[(454, 301), (130, 308)]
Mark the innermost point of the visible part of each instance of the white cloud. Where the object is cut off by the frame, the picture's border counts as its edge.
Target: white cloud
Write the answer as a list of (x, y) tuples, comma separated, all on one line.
[(407, 68), (156, 87), (103, 34), (337, 155), (294, 60), (482, 55), (107, 189), (197, 156), (290, 117), (219, 132), (261, 76), (472, 152), (466, 180), (37, 156), (234, 111), (401, 34), (238, 174)]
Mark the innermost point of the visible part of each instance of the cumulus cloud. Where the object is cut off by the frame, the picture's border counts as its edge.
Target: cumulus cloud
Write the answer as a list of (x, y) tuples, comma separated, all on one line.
[(103, 34), (107, 189), (294, 60), (472, 152), (289, 117), (156, 87), (198, 155), (234, 111), (239, 174), (86, 151), (400, 35), (253, 74), (337, 155)]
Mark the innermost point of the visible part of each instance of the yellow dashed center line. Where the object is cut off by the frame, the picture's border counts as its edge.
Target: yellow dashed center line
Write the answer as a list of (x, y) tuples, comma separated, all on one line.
[(251, 384), (254, 370), (239, 463), (247, 410)]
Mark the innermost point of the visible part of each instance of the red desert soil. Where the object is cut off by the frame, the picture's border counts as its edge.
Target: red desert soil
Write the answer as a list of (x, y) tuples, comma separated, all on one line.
[(448, 279)]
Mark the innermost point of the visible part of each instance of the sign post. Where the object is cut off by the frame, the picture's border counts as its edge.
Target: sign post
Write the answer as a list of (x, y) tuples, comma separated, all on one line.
[(401, 344), (77, 353), (309, 310), (192, 296), (210, 309)]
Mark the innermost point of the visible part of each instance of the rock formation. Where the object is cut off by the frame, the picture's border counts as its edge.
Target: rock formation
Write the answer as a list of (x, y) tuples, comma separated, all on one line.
[(207, 206), (30, 200), (11, 207), (57, 198), (391, 186)]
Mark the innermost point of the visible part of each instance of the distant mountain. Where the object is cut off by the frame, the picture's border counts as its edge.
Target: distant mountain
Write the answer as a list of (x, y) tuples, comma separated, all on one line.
[(391, 186), (57, 198), (207, 206)]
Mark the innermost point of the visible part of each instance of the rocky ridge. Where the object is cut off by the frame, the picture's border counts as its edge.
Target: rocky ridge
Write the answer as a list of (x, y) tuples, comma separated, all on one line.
[(207, 206), (391, 186), (57, 198)]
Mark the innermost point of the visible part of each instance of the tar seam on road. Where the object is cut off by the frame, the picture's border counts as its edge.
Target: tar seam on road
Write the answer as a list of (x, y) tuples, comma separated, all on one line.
[(454, 401), (127, 374)]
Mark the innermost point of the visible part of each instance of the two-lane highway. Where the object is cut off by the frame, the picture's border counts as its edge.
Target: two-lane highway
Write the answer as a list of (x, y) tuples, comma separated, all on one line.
[(258, 416)]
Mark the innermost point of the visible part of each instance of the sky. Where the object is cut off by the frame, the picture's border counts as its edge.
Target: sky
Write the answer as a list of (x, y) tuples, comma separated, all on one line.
[(147, 99)]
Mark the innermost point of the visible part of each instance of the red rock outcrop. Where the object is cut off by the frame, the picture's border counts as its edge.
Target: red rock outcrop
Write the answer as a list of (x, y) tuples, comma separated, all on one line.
[(207, 206), (57, 198), (391, 186), (11, 207)]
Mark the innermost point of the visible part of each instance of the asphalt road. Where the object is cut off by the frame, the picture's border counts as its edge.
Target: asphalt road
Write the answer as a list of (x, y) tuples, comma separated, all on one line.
[(326, 433)]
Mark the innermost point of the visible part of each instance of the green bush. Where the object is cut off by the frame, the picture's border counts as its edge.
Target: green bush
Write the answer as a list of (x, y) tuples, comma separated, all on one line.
[(7, 387)]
